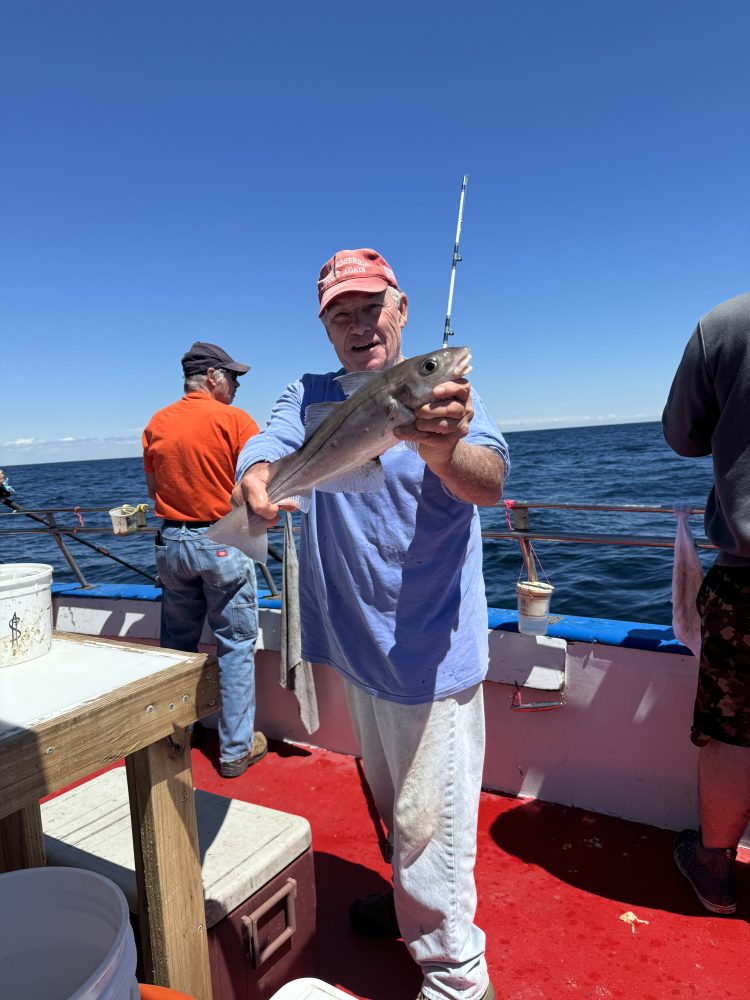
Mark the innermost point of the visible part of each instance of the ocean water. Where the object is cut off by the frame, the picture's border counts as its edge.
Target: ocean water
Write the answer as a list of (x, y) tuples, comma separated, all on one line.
[(616, 464)]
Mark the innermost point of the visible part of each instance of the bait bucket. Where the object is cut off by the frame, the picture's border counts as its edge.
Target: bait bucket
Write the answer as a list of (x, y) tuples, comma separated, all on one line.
[(66, 936), (25, 612)]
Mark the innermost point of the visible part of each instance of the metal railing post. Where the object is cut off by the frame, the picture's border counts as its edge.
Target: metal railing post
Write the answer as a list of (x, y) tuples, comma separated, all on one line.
[(521, 523), (66, 551)]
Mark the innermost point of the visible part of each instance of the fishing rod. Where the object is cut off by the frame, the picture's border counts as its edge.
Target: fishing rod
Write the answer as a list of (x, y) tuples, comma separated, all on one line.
[(56, 530), (447, 331)]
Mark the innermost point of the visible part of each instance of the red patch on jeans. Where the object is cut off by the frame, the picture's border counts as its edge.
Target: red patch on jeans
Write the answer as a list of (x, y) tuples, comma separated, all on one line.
[(222, 552)]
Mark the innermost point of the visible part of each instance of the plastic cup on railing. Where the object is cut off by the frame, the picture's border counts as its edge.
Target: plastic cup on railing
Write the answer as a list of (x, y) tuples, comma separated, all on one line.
[(534, 598), (140, 514), (124, 519)]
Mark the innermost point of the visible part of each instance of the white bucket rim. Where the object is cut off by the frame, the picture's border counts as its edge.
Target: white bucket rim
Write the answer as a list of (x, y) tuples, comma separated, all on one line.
[(536, 588), (35, 567), (123, 935)]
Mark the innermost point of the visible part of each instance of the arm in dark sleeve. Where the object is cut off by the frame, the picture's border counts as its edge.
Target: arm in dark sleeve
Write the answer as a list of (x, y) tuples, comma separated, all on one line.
[(691, 412)]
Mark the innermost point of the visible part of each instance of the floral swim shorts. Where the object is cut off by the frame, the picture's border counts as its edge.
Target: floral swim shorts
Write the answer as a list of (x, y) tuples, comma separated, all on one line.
[(722, 702)]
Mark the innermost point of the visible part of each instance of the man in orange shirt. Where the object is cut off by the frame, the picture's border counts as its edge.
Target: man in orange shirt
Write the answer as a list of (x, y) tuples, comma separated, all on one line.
[(190, 451)]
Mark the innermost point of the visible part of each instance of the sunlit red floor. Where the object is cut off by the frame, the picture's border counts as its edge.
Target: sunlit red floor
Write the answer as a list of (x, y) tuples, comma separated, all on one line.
[(553, 884)]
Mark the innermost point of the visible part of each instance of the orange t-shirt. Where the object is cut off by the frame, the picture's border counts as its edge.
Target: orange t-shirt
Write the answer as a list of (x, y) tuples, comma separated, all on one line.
[(191, 450)]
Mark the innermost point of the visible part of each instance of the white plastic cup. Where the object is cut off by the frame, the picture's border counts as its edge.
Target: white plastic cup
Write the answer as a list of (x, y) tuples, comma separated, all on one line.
[(124, 520), (25, 612), (66, 933), (533, 606)]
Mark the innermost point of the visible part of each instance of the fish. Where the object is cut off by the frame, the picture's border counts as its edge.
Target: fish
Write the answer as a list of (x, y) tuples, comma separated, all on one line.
[(344, 441)]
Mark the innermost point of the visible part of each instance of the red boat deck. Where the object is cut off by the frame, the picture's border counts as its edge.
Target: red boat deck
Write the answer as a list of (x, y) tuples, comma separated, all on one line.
[(553, 884)]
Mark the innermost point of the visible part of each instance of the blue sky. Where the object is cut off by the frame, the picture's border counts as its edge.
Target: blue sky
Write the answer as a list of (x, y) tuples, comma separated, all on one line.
[(172, 172)]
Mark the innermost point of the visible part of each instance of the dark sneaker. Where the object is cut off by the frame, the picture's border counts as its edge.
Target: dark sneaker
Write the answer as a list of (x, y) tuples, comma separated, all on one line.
[(234, 768), (489, 994), (710, 871), (375, 915)]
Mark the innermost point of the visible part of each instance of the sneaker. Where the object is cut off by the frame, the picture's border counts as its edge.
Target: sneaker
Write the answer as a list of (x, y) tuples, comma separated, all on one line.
[(489, 994), (710, 871), (234, 768), (375, 915)]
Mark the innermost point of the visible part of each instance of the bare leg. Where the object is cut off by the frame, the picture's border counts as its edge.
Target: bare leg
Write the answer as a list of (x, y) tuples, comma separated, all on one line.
[(724, 792)]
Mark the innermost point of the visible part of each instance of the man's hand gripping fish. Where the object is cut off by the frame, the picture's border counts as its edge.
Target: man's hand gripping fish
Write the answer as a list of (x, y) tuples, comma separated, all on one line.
[(343, 441)]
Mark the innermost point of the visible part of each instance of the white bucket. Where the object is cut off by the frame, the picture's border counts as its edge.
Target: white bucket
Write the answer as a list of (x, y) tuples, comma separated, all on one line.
[(124, 520), (66, 936), (533, 606), (25, 612)]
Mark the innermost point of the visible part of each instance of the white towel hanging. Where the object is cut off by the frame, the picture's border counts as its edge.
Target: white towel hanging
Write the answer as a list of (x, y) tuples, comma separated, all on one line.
[(687, 576)]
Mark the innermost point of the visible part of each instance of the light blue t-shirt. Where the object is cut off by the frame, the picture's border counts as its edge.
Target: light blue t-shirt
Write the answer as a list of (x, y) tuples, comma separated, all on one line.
[(391, 586)]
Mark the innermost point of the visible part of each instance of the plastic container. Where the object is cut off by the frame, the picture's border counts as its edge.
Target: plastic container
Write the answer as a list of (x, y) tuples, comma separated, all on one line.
[(124, 519), (533, 606), (66, 936), (25, 612), (309, 989)]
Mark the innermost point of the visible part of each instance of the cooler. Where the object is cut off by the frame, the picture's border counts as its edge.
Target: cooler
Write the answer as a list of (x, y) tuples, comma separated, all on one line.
[(258, 877)]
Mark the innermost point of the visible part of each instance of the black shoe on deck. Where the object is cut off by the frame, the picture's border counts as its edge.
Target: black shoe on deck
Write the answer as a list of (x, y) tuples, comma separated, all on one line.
[(711, 871)]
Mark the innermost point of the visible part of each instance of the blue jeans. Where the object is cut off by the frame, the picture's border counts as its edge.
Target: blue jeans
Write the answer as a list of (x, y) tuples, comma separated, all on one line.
[(201, 579)]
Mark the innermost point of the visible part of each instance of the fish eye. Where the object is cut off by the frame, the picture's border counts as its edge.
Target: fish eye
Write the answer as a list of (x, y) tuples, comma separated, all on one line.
[(428, 366)]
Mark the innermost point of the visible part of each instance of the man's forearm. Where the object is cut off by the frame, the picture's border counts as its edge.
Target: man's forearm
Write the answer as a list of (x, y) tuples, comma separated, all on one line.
[(474, 473)]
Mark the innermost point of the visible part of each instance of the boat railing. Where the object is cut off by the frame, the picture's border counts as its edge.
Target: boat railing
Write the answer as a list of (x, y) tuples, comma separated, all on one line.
[(519, 528), (515, 512), (63, 534), (519, 524)]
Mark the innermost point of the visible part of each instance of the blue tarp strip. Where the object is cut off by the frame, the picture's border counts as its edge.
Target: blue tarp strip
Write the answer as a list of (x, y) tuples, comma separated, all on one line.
[(608, 632), (136, 592)]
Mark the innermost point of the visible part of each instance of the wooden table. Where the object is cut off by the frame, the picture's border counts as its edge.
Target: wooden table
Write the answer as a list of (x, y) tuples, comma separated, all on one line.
[(82, 706)]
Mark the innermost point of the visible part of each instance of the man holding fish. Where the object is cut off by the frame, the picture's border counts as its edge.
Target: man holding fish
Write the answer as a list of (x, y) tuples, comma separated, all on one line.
[(392, 595)]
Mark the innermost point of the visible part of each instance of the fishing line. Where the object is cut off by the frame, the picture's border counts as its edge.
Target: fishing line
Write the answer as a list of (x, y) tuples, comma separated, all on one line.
[(525, 543)]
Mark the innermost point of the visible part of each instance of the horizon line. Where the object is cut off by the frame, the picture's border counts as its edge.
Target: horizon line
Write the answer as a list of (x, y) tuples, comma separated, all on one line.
[(510, 427)]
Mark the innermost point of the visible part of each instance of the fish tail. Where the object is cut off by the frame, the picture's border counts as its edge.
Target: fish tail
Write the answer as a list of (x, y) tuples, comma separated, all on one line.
[(243, 530)]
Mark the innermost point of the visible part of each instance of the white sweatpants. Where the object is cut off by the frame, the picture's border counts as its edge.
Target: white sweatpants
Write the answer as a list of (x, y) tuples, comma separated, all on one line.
[(424, 766)]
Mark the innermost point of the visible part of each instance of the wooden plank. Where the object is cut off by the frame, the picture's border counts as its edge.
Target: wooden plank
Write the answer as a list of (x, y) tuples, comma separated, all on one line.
[(21, 839), (171, 909), (71, 746)]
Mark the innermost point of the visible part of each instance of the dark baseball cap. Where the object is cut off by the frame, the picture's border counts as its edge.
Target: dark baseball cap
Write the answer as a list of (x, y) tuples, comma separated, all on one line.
[(203, 356)]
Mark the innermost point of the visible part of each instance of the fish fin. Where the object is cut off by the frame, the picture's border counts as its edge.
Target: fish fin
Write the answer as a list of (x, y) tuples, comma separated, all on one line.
[(389, 414), (351, 381), (301, 500), (315, 414), (243, 530), (413, 445), (365, 479)]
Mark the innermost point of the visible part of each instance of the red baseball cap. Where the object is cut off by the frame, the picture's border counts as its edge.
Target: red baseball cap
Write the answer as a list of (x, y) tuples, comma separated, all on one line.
[(353, 271)]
